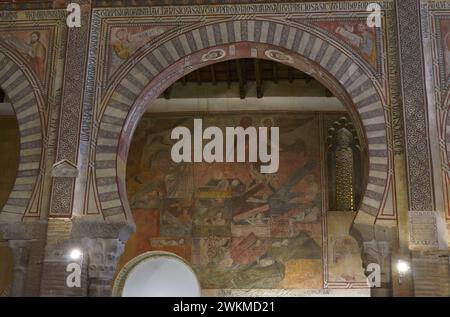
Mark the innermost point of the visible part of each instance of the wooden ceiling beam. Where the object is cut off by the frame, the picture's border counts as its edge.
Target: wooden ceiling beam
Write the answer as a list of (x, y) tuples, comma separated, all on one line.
[(198, 76), (228, 73), (213, 75), (275, 72), (290, 75), (241, 78), (258, 78)]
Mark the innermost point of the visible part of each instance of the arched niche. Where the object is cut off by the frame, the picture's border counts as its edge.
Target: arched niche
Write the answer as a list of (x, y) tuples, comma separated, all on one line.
[(157, 274)]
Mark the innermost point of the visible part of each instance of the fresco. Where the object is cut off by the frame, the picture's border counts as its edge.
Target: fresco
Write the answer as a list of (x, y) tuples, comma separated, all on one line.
[(238, 228), (125, 41), (358, 35), (344, 255), (445, 31), (33, 46)]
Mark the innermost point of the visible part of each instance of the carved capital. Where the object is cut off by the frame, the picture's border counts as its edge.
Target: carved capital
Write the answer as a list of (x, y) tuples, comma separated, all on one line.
[(378, 252), (20, 252), (34, 230), (83, 227), (103, 255)]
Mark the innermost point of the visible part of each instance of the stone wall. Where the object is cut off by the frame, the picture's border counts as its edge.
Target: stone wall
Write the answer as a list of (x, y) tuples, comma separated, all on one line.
[(79, 95)]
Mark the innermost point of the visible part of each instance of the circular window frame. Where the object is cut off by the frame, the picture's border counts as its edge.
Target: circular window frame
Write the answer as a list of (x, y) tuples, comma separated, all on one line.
[(129, 267)]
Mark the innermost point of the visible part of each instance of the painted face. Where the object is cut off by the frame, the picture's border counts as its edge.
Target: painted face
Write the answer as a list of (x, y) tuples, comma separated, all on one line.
[(121, 35), (361, 28), (34, 37)]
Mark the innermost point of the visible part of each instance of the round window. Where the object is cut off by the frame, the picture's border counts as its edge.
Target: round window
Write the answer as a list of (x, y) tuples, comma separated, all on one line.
[(157, 274)]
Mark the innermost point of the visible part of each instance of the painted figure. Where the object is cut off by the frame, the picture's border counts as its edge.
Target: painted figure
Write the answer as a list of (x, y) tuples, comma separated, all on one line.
[(359, 37), (447, 52), (37, 53), (125, 42), (366, 44), (34, 50), (237, 224), (122, 45)]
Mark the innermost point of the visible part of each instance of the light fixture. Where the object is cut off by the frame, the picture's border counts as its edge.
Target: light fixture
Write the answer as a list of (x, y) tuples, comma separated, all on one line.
[(75, 254), (402, 267)]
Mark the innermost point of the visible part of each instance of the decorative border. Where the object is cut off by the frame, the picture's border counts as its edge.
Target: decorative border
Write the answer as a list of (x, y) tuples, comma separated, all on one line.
[(62, 194), (418, 156), (441, 93)]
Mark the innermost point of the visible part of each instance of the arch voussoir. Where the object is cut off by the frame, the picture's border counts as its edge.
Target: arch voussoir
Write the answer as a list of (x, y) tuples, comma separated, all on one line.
[(361, 90), (20, 92)]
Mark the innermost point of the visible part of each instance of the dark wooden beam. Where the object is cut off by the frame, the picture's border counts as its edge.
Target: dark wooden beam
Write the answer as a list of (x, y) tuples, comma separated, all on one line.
[(275, 72), (241, 77), (258, 78), (290, 75), (213, 75), (198, 75), (228, 73)]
